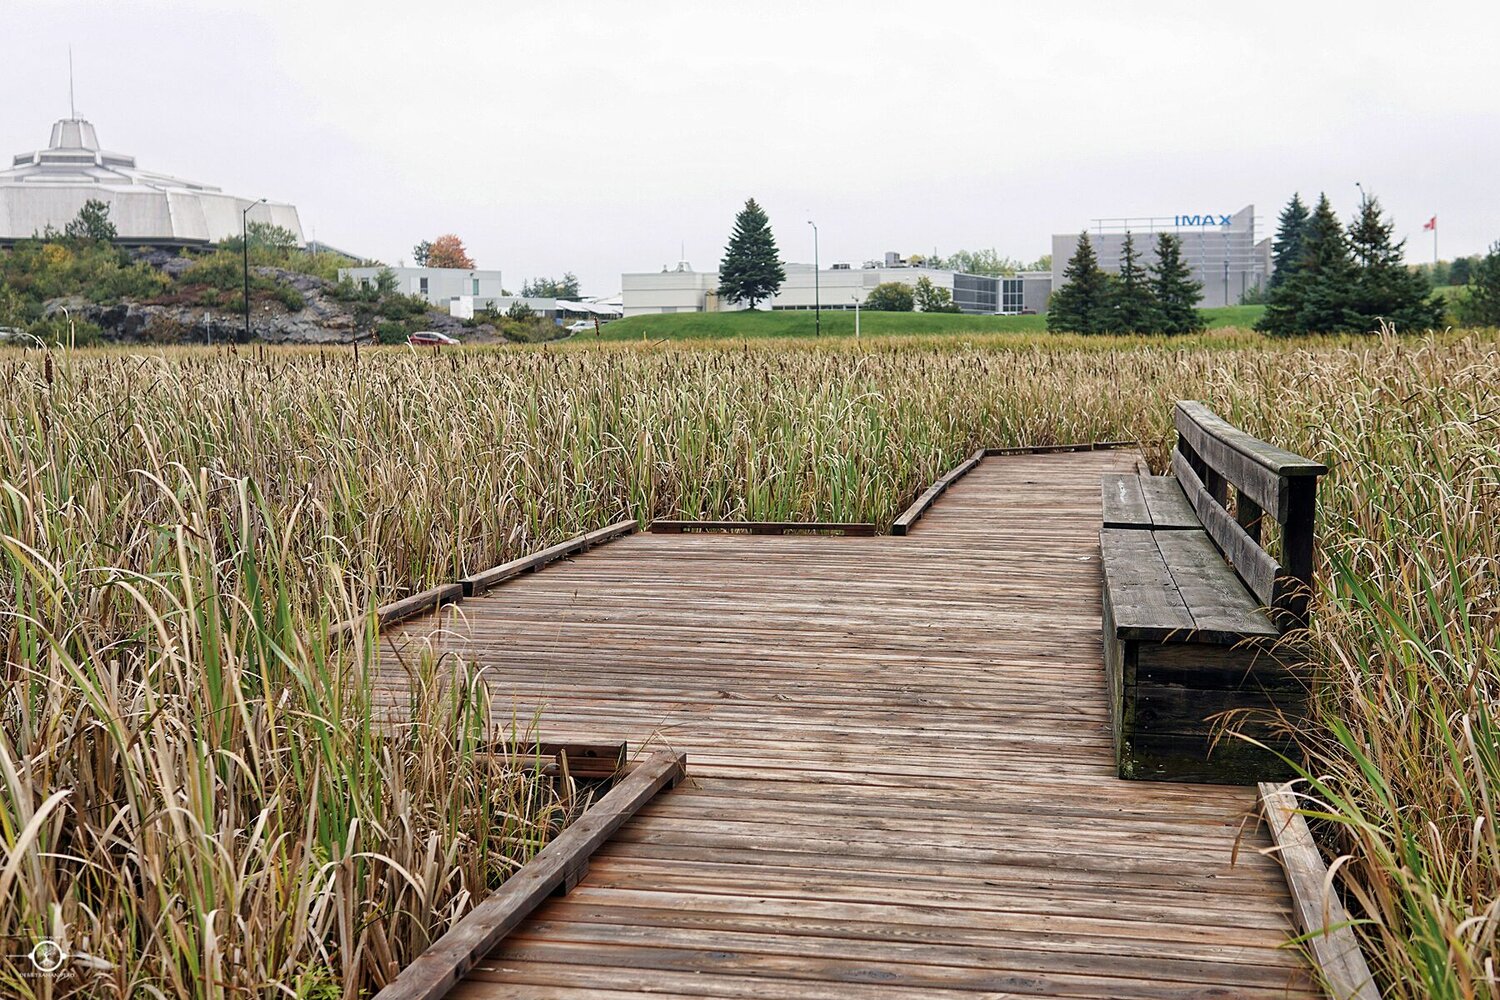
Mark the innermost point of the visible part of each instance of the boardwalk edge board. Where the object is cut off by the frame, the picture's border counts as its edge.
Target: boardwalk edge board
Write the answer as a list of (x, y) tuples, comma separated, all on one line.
[(1320, 915), (557, 868), (452, 593), (663, 526), (399, 611), (478, 583), (910, 516), (1051, 449)]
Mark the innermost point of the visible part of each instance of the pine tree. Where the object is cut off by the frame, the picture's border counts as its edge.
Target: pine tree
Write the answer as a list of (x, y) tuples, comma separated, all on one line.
[(1082, 304), (1286, 250), (1480, 302), (751, 270), (1174, 289), (1315, 298), (1384, 288), (91, 223), (1135, 308)]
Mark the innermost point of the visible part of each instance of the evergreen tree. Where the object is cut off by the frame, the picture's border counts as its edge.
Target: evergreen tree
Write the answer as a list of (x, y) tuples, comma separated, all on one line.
[(1458, 271), (1480, 303), (1134, 301), (1384, 288), (1174, 289), (751, 270), (1315, 297), (91, 223), (1286, 249), (1082, 304)]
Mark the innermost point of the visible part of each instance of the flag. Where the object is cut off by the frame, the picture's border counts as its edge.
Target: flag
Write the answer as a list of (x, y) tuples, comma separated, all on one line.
[(1430, 223)]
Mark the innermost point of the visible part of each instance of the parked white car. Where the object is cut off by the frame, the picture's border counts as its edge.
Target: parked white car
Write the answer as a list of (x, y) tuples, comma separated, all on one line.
[(430, 338), (580, 326)]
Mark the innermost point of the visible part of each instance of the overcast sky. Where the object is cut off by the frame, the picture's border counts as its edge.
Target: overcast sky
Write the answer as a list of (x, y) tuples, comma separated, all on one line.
[(600, 137)]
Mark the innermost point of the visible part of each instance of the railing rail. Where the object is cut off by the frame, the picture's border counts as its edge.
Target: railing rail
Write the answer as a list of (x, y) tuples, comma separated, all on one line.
[(1212, 455)]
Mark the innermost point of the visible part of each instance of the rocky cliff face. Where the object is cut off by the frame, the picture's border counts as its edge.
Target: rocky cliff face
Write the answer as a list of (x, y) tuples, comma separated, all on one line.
[(323, 318)]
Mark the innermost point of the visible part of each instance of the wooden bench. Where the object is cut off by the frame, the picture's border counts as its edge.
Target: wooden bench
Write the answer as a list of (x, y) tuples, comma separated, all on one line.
[(1197, 609)]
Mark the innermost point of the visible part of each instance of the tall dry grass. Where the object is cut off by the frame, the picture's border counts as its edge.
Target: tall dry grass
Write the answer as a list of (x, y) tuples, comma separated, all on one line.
[(195, 797)]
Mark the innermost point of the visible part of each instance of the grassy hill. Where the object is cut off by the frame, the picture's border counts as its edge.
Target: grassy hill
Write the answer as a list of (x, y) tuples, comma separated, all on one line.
[(730, 325)]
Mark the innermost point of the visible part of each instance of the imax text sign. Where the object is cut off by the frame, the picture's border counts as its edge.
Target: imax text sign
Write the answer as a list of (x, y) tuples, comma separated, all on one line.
[(1206, 219)]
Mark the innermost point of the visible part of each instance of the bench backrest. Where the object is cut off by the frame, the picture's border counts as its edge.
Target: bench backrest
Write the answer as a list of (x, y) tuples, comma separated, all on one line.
[(1213, 455)]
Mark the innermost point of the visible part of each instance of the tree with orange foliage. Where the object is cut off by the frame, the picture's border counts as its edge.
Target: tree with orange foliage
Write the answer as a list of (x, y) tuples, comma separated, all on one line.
[(448, 251)]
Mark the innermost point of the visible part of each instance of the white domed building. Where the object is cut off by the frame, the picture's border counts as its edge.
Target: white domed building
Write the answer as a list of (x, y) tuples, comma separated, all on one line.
[(47, 187)]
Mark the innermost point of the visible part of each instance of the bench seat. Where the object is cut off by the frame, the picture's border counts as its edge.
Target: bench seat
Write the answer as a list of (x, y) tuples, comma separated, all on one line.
[(1152, 502), (1184, 642)]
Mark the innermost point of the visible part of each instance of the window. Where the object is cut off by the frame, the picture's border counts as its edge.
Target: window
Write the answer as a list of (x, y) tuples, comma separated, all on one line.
[(422, 285), (475, 290), (1012, 295), (976, 293)]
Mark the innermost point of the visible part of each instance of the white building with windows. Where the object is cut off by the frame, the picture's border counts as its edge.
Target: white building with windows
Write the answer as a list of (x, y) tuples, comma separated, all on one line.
[(438, 285), (682, 289), (46, 188)]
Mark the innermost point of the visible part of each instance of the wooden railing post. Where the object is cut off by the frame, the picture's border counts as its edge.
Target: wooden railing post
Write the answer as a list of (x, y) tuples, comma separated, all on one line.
[(1248, 513), (1297, 544)]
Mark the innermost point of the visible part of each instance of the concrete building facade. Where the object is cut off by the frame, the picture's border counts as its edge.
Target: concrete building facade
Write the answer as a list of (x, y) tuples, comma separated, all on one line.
[(1220, 250), (46, 188), (840, 286), (438, 285)]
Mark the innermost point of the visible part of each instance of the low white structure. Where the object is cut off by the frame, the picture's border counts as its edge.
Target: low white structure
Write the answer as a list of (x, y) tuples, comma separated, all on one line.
[(559, 310), (838, 287), (46, 188), (438, 285)]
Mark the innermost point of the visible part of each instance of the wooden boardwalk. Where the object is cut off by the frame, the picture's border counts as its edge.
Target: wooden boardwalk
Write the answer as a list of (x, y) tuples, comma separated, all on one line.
[(900, 771)]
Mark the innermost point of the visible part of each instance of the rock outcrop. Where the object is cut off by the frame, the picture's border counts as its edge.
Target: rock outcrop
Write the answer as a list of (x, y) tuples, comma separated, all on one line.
[(323, 318)]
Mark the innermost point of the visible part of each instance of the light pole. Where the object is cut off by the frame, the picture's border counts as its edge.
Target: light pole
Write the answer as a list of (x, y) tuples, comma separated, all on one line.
[(817, 294), (244, 246), (856, 315)]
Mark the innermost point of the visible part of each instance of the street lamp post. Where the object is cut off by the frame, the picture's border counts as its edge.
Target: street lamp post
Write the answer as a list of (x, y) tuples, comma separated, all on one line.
[(817, 294), (245, 247), (856, 315)]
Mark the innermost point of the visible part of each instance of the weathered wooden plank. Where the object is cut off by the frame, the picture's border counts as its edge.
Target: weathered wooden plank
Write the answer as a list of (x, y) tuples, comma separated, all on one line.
[(1053, 449), (1167, 503), (1144, 598), (576, 759), (1221, 608), (477, 583), (1122, 501), (1204, 424), (1148, 502), (909, 517), (668, 526), (1320, 914), (406, 608), (1261, 573), (556, 866)]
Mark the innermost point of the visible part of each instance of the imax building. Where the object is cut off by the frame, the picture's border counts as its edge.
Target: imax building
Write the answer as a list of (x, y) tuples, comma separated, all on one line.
[(1222, 251)]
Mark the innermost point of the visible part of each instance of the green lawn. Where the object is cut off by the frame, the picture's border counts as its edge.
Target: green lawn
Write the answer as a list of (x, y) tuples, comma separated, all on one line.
[(730, 325)]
